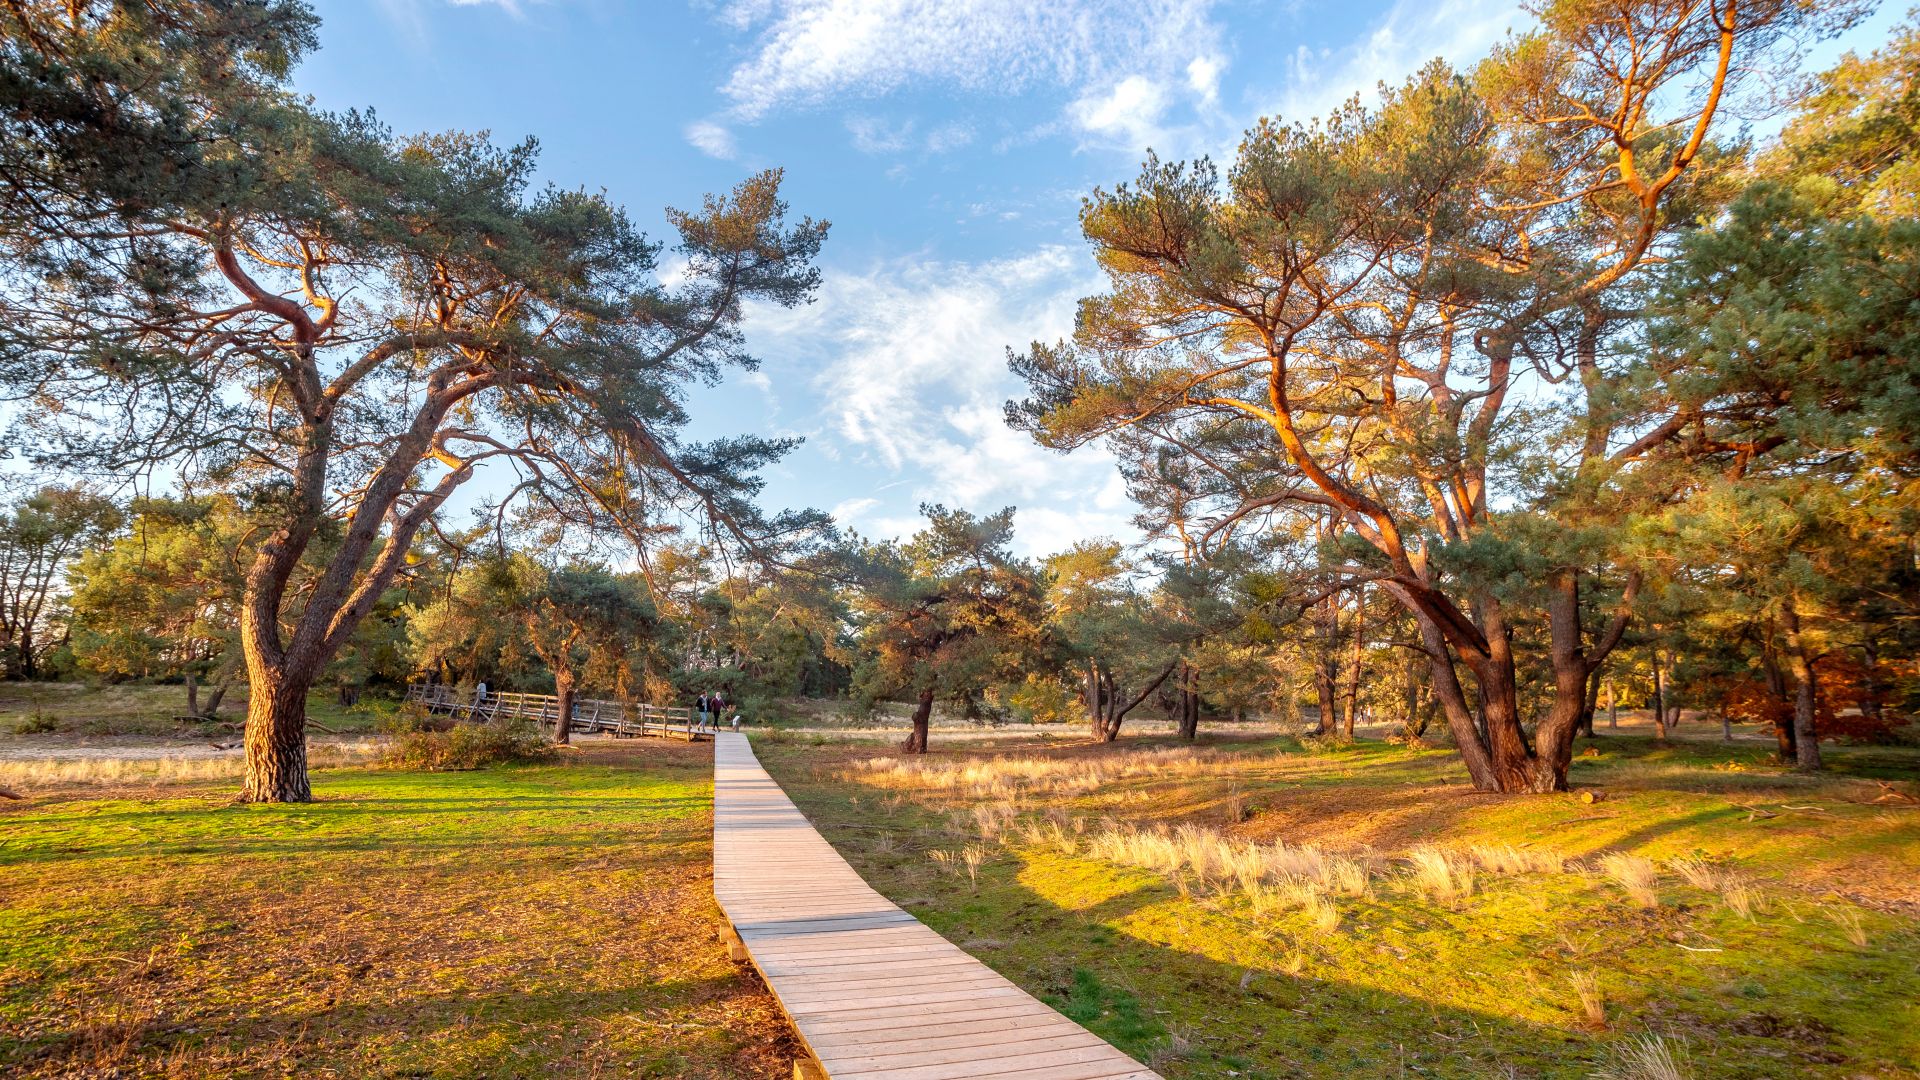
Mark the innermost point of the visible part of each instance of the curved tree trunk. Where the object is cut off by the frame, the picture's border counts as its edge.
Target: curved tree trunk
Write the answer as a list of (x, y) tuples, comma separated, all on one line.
[(563, 725), (922, 717)]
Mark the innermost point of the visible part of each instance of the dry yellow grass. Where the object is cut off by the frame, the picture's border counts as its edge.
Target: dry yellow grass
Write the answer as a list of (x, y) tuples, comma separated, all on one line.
[(108, 770), (1635, 874), (1441, 874)]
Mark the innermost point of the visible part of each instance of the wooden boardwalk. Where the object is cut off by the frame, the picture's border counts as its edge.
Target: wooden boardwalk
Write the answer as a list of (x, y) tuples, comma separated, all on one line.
[(872, 992)]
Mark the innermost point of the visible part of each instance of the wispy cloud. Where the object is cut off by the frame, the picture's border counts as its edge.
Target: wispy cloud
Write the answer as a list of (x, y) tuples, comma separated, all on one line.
[(713, 140), (910, 365), (1411, 33), (1122, 62)]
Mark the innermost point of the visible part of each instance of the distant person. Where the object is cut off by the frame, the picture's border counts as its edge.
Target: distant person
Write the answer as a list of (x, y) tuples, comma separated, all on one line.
[(700, 706), (479, 694), (719, 703)]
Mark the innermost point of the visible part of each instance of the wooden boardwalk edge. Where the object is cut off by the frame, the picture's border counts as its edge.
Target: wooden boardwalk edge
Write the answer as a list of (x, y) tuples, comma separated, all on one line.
[(872, 993)]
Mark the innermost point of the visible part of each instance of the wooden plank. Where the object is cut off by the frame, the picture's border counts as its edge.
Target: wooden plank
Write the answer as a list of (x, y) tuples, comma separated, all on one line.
[(871, 991)]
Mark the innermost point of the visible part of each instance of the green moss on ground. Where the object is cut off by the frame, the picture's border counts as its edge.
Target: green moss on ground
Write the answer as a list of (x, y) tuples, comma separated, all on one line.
[(524, 922), (1191, 978)]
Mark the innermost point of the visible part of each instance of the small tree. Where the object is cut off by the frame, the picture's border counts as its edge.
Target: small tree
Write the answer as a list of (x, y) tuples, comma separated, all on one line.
[(41, 535), (946, 615), (581, 621), (163, 599)]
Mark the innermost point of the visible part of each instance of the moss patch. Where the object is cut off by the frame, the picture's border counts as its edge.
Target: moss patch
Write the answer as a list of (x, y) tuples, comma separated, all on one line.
[(539, 921)]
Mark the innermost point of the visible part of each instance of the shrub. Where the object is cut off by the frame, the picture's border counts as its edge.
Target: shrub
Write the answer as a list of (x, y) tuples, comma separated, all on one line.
[(38, 723), (1044, 700), (467, 746), (410, 717)]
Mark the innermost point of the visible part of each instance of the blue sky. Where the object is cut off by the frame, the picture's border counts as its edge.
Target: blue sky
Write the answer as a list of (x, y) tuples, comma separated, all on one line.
[(948, 142)]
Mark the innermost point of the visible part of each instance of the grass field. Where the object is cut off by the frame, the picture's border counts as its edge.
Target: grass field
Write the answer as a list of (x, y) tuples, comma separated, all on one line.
[(142, 709), (1268, 909), (512, 922)]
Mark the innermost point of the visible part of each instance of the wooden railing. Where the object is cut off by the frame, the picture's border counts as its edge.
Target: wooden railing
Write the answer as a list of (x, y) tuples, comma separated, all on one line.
[(589, 714)]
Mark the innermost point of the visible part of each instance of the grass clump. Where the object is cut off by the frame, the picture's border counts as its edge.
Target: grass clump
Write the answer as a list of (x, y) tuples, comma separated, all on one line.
[(1441, 874), (468, 746), (1648, 1057), (1593, 1001), (1634, 874)]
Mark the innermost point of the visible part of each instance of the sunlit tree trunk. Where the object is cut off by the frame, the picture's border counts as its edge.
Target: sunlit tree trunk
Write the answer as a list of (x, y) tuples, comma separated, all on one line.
[(1805, 698), (922, 718), (564, 690)]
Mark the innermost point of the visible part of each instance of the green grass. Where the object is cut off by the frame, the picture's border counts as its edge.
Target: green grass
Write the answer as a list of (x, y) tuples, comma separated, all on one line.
[(1194, 980), (105, 709), (536, 921)]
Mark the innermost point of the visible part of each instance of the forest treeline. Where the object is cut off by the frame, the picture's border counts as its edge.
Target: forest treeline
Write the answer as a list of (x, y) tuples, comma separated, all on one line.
[(1530, 392)]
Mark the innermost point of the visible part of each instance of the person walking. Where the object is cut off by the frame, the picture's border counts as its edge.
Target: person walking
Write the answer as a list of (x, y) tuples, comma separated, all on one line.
[(719, 703), (479, 696), (700, 708)]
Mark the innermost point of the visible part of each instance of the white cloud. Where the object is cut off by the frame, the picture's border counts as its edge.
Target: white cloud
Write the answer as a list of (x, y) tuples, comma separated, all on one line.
[(872, 135), (949, 137), (909, 362), (712, 139), (1411, 33), (847, 511), (1203, 78), (1127, 113), (811, 51)]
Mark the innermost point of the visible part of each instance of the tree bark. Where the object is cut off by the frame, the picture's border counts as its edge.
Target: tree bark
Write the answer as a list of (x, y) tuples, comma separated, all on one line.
[(922, 717), (276, 739), (1805, 698), (1358, 659), (563, 725), (1783, 735), (1323, 686), (1096, 712), (193, 696), (1461, 721), (1189, 703), (1659, 698)]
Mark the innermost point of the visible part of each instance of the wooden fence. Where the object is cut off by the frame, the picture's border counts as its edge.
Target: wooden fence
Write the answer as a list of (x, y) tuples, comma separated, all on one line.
[(589, 714)]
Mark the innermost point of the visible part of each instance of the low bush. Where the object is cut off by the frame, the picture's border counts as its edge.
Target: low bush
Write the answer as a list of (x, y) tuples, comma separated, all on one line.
[(467, 746)]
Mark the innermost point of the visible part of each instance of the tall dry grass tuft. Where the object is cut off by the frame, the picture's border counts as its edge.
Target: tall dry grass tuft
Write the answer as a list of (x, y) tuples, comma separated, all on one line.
[(30, 774), (1440, 874), (1593, 1001), (1635, 874), (974, 855), (1741, 896), (992, 819), (1002, 778), (1324, 913), (1507, 859), (1849, 923), (1696, 872), (1648, 1057), (1269, 876)]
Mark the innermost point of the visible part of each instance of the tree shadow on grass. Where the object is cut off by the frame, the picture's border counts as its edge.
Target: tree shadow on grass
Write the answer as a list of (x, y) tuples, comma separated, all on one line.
[(656, 1028), (1227, 989)]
